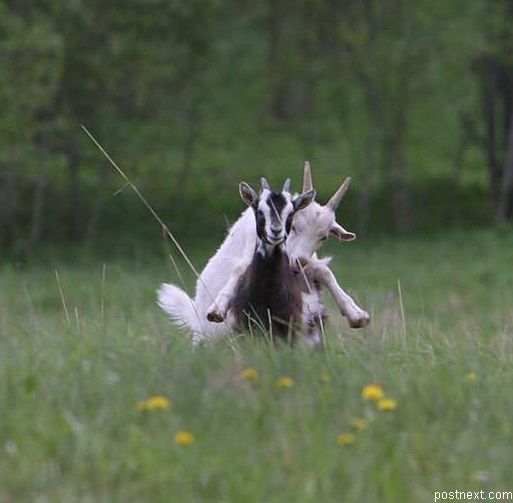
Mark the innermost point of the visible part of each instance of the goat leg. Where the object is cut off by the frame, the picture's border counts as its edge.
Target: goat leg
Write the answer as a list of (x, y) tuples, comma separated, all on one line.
[(356, 316), (218, 310)]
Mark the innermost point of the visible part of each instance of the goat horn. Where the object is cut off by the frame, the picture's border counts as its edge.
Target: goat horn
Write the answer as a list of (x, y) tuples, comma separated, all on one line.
[(286, 185), (265, 184), (337, 197), (307, 177)]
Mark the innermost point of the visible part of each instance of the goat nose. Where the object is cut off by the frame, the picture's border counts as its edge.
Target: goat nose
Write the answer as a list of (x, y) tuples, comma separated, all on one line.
[(275, 230)]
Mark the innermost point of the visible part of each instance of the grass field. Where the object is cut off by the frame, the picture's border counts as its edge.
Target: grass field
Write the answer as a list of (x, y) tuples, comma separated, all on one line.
[(70, 428)]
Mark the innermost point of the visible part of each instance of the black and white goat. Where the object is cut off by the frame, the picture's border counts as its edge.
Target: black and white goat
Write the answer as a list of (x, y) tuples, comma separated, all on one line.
[(269, 293)]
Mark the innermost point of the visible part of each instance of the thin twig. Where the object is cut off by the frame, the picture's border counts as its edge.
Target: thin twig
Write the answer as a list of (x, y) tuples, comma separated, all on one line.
[(403, 318), (172, 259), (270, 324), (143, 200), (77, 319), (63, 300), (102, 302)]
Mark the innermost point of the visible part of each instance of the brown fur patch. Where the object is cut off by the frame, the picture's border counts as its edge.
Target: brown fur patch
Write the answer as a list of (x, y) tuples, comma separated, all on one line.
[(269, 286)]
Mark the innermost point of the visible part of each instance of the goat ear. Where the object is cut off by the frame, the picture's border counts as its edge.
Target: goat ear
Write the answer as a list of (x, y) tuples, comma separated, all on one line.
[(248, 195), (341, 233), (301, 201)]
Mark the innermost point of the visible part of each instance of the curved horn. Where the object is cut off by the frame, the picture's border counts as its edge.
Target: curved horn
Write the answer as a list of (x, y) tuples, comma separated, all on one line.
[(265, 184), (337, 197), (307, 177), (286, 185)]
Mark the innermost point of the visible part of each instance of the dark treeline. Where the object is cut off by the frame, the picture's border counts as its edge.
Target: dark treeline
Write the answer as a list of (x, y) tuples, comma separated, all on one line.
[(414, 99)]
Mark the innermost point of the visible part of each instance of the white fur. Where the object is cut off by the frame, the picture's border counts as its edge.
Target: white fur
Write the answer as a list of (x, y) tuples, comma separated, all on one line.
[(320, 271), (236, 250), (179, 306)]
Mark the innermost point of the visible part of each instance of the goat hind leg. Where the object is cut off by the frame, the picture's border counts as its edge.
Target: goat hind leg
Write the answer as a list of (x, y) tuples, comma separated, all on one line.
[(315, 338)]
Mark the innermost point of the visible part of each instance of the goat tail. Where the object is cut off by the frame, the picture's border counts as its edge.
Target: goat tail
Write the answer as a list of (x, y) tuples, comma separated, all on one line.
[(179, 307)]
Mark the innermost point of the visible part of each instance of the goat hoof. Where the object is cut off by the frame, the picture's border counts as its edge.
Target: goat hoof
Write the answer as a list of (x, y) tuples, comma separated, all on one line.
[(215, 317), (359, 321)]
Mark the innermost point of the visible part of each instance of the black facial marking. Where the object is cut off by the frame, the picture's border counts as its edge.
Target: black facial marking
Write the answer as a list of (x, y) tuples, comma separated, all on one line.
[(260, 223), (276, 202), (288, 223)]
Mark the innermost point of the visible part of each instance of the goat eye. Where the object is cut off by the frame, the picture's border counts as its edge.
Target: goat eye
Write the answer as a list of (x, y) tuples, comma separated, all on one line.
[(323, 238)]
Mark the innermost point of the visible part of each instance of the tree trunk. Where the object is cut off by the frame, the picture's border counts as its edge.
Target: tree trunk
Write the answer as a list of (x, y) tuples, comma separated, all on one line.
[(74, 193), (3, 197), (371, 147), (8, 208), (306, 117), (373, 95), (92, 226), (490, 112), (36, 226), (403, 217), (396, 166), (505, 206), (189, 150), (307, 86), (278, 88)]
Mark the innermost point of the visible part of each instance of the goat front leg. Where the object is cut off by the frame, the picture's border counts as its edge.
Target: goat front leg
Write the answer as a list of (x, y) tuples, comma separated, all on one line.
[(356, 316), (219, 308)]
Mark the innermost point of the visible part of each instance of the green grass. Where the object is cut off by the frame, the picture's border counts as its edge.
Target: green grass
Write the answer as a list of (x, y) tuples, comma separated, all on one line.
[(70, 430)]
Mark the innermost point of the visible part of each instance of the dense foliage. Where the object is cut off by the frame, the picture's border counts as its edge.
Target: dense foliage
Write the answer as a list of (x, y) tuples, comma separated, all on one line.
[(414, 99)]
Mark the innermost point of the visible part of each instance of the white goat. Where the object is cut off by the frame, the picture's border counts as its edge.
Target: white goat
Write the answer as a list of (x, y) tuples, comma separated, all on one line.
[(207, 316), (313, 226)]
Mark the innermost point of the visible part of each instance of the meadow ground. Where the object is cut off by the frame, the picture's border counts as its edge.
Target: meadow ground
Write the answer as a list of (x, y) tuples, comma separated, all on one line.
[(70, 428)]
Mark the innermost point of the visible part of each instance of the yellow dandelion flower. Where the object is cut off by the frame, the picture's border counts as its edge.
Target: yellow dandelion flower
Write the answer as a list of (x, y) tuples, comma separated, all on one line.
[(250, 374), (359, 424), (387, 404), (471, 377), (158, 402), (373, 392), (325, 377), (184, 438), (346, 439), (285, 382)]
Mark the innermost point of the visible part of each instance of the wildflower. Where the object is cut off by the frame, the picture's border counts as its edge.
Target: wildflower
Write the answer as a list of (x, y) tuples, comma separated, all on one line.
[(373, 392), (158, 402), (359, 424), (346, 439), (250, 374), (471, 377), (387, 404), (285, 382), (325, 377), (184, 438)]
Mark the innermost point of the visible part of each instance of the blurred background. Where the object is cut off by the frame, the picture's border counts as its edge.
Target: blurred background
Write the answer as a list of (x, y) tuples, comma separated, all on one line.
[(414, 99)]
